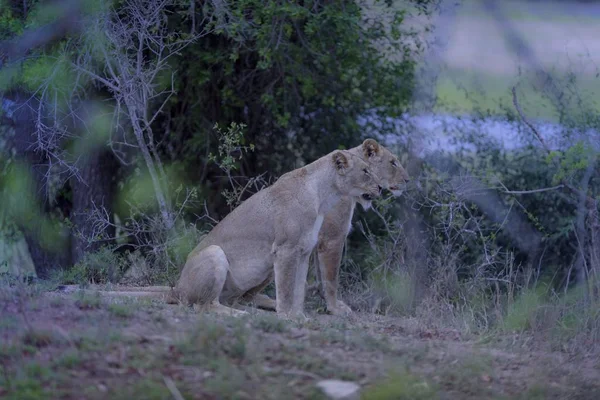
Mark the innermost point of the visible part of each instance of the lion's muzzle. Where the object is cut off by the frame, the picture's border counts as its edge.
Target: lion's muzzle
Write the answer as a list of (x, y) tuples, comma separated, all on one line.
[(372, 195), (368, 196)]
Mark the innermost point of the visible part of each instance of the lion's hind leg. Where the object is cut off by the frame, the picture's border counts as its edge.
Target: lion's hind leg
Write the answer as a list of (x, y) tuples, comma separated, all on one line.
[(202, 280)]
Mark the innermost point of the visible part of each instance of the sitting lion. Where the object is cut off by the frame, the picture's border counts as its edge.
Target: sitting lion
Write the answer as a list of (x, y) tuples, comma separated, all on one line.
[(327, 255), (270, 236), (338, 221)]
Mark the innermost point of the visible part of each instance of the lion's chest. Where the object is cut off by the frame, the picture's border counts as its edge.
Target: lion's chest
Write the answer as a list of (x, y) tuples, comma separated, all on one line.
[(314, 234), (349, 221)]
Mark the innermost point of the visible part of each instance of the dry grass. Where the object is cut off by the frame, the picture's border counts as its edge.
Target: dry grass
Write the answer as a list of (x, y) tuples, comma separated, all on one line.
[(111, 349)]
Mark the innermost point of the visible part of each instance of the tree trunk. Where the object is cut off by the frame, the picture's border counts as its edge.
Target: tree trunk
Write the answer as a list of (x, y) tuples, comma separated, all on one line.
[(22, 119), (95, 190)]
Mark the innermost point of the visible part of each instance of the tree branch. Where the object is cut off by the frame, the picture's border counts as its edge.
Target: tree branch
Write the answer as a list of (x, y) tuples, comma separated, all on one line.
[(590, 202), (533, 190)]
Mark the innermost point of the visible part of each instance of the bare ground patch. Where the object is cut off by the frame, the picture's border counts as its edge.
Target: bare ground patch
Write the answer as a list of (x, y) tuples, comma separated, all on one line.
[(86, 347)]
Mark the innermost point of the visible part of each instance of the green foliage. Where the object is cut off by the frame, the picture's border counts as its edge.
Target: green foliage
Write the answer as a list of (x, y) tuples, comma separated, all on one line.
[(99, 267), (87, 301), (137, 196), (521, 313), (399, 290), (97, 133), (575, 159), (231, 152), (49, 67), (401, 386), (211, 342), (20, 205), (40, 338), (70, 359), (10, 24), (27, 389), (43, 13), (295, 77), (230, 143), (145, 387), (120, 310), (9, 232), (270, 324), (547, 214), (298, 75)]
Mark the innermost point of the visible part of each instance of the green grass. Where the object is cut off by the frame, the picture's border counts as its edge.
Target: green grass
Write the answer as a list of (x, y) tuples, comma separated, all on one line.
[(87, 301), (522, 312), (69, 360), (270, 324), (469, 86), (142, 389), (468, 92), (472, 375), (40, 338), (401, 386), (27, 389), (257, 356), (120, 310)]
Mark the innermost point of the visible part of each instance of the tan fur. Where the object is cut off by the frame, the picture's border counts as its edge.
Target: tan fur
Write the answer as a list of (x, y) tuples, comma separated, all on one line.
[(336, 225), (271, 235), (327, 254)]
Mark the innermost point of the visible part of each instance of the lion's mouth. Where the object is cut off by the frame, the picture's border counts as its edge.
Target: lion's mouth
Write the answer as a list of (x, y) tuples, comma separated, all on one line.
[(397, 188), (368, 196)]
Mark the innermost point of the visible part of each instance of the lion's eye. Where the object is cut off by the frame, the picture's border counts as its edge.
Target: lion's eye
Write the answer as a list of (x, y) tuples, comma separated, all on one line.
[(394, 163), (366, 171)]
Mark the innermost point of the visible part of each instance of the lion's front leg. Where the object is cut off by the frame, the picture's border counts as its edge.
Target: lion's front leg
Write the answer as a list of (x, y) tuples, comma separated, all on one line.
[(291, 268), (329, 255), (300, 284)]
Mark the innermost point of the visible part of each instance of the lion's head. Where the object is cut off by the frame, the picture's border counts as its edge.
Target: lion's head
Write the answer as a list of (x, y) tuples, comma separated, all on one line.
[(354, 177), (386, 166)]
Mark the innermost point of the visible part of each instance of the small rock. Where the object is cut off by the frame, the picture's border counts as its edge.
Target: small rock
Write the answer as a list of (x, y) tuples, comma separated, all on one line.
[(340, 390)]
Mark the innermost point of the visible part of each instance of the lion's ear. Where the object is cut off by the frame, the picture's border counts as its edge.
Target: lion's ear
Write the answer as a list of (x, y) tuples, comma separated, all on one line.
[(341, 162), (371, 148)]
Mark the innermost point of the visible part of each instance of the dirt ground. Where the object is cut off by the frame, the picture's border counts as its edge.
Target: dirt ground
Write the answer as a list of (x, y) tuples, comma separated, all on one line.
[(82, 346)]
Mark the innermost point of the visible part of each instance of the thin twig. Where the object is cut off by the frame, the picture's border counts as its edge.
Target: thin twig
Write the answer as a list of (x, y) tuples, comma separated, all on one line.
[(548, 189), (526, 121), (589, 201), (172, 388)]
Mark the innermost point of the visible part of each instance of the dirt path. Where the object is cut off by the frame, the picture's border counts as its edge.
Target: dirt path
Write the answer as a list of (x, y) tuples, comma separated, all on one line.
[(84, 347)]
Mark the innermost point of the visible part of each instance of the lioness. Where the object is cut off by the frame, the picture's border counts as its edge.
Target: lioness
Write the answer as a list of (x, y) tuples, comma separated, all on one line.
[(271, 235), (336, 226), (337, 223)]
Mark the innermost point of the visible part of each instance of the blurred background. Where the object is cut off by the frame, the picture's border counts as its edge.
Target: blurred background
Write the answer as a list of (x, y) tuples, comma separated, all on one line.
[(130, 128)]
